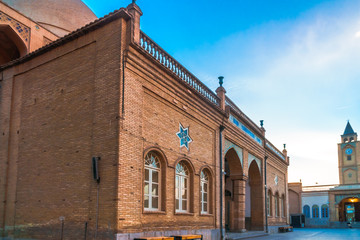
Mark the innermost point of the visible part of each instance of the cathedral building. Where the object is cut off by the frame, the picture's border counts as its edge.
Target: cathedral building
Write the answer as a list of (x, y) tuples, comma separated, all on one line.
[(344, 199), (104, 135), (333, 205)]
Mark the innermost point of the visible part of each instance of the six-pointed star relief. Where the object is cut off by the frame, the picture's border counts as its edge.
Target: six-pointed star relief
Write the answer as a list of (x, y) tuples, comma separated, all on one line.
[(183, 134)]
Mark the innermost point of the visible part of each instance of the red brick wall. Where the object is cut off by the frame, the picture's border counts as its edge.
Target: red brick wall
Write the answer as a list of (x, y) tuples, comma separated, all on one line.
[(295, 205), (75, 102), (154, 107), (5, 107), (277, 167), (64, 111)]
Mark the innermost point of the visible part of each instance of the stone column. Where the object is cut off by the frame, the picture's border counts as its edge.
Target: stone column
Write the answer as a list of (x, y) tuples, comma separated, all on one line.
[(336, 213), (333, 209), (239, 202)]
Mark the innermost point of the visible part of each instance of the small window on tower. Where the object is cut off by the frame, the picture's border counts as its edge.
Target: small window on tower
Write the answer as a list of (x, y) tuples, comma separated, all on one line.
[(349, 158)]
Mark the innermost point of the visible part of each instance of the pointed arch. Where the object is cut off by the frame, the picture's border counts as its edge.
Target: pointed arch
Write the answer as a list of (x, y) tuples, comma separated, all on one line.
[(233, 162), (251, 159), (256, 196), (12, 45), (234, 172), (229, 145)]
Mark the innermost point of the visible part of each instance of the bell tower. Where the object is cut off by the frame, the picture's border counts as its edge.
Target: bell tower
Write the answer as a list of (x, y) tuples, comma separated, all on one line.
[(349, 157)]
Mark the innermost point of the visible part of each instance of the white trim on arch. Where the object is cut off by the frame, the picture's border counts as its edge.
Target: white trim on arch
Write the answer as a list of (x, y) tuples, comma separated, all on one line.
[(252, 158), (238, 150)]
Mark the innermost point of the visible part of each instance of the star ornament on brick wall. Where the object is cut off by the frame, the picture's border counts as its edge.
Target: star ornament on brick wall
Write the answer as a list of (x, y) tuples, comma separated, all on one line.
[(184, 137), (276, 180)]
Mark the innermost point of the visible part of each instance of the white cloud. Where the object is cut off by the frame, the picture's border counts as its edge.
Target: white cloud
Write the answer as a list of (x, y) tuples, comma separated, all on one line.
[(295, 75), (312, 154)]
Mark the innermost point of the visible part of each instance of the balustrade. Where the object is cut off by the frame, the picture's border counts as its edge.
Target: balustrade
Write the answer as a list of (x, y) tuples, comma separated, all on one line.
[(166, 60)]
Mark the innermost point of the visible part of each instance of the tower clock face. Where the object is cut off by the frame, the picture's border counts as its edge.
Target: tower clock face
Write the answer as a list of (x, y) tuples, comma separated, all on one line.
[(348, 151)]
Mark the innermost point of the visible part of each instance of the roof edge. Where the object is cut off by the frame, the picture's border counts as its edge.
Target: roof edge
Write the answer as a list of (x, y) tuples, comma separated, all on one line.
[(120, 13), (20, 13)]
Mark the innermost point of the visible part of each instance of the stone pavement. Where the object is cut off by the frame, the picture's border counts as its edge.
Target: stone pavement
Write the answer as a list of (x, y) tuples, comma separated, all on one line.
[(315, 234), (245, 235)]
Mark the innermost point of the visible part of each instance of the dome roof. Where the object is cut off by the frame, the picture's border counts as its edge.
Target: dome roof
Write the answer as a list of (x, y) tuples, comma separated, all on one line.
[(58, 16)]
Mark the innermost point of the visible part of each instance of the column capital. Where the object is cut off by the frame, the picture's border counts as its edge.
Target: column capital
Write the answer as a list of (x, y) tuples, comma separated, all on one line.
[(240, 177)]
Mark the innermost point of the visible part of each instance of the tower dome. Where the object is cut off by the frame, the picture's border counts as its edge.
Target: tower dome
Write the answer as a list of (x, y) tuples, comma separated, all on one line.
[(58, 16)]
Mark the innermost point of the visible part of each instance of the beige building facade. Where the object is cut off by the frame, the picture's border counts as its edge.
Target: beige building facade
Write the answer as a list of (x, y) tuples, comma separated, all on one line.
[(104, 135), (333, 205), (344, 199)]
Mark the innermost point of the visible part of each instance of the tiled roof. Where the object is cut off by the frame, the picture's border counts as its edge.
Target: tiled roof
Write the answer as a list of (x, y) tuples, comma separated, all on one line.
[(348, 129)]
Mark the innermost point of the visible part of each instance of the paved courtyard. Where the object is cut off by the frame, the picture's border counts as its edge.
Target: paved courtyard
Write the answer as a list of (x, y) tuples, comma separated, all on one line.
[(316, 233)]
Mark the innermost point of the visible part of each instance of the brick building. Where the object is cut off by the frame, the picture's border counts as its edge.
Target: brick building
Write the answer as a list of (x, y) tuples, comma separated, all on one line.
[(104, 134)]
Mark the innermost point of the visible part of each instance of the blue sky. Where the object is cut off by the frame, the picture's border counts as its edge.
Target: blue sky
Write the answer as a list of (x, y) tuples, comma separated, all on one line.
[(292, 63)]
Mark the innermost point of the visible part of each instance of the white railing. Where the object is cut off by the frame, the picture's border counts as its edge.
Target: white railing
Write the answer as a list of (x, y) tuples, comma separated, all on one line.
[(169, 62)]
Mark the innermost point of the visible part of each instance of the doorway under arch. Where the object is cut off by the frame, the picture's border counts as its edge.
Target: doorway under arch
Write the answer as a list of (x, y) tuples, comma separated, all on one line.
[(349, 210), (256, 201), (234, 192)]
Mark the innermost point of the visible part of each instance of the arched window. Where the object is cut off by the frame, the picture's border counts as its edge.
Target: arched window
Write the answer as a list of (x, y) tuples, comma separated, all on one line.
[(268, 202), (306, 211), (205, 191), (282, 204), (315, 211), (324, 211), (152, 182), (182, 181), (276, 203)]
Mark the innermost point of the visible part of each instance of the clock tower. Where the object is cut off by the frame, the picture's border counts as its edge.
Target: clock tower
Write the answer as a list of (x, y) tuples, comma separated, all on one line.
[(349, 160)]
